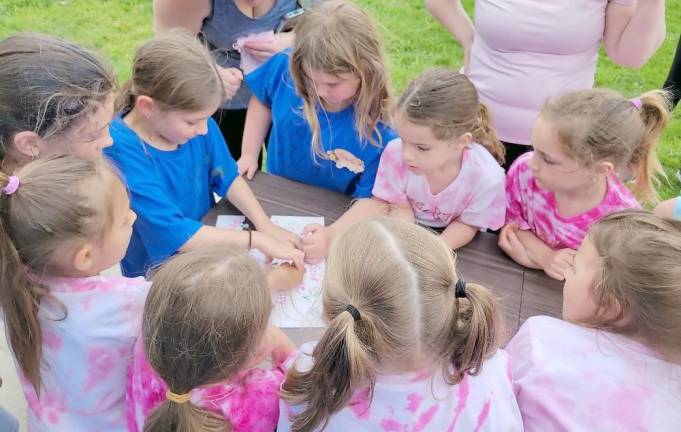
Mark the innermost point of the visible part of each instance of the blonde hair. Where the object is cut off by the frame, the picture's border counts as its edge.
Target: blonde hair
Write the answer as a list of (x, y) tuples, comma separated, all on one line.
[(47, 85), (174, 69), (203, 319), (60, 200), (448, 103), (338, 37), (401, 278), (640, 277), (599, 125)]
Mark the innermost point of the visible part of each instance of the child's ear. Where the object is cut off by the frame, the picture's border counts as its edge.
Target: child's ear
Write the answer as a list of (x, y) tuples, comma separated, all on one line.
[(145, 105), (465, 140), (83, 258), (605, 168), (26, 143)]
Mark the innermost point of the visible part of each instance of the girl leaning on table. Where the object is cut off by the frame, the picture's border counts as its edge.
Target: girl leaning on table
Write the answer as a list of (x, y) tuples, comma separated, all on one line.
[(174, 158), (443, 170), (615, 363)]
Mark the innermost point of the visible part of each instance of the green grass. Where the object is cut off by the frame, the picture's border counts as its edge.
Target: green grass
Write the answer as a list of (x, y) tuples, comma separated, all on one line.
[(414, 40)]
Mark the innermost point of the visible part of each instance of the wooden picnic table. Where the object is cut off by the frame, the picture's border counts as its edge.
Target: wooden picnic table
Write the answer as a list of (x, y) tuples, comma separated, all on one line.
[(522, 292)]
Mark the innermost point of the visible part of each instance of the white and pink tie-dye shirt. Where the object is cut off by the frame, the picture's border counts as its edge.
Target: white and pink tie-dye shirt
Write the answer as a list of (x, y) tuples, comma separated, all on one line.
[(476, 196), (535, 209), (249, 400), (85, 354), (423, 401), (572, 378)]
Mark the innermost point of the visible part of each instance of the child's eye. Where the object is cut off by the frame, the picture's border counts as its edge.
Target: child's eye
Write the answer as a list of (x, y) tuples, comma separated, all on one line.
[(423, 149)]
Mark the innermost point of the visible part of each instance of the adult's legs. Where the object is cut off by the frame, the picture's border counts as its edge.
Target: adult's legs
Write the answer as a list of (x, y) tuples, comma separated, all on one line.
[(673, 82)]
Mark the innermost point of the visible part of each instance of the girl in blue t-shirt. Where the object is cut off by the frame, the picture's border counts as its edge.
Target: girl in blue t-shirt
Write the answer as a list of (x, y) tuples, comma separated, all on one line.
[(174, 158), (327, 102)]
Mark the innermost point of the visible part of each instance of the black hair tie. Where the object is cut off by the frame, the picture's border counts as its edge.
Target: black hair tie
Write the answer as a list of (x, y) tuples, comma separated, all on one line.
[(354, 312), (460, 288)]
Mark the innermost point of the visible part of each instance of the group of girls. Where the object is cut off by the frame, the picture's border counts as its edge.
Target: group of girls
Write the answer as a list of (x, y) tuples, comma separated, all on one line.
[(409, 344)]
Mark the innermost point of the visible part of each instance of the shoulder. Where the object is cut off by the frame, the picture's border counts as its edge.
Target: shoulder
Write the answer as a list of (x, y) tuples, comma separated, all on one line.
[(618, 195), (484, 166), (276, 66), (387, 132), (98, 283)]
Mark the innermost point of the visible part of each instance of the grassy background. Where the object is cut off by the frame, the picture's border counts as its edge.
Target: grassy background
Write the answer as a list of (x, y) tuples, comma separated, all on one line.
[(414, 40)]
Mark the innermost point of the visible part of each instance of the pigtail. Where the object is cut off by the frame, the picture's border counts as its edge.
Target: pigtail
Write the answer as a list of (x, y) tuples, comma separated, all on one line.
[(343, 360), (484, 133), (186, 417), (20, 297), (474, 335), (654, 113)]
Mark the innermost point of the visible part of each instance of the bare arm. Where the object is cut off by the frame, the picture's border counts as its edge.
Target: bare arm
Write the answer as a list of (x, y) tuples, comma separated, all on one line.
[(180, 13), (553, 262), (634, 32), (258, 121), (458, 234), (453, 17)]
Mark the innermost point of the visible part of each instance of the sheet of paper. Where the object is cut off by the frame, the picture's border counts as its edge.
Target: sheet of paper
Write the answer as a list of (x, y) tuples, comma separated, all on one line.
[(301, 307)]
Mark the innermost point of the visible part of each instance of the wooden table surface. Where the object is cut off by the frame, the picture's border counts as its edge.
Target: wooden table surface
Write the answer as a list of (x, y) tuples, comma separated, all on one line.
[(521, 292)]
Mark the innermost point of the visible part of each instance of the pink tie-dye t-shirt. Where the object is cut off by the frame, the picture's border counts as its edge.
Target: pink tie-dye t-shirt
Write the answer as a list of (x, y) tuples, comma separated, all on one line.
[(423, 401), (476, 196), (572, 378), (535, 209), (86, 354), (249, 401)]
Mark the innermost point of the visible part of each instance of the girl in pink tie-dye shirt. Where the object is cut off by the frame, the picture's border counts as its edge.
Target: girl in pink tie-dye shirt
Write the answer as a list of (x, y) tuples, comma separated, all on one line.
[(616, 366), (409, 345), (583, 141), (205, 326), (443, 170), (71, 331)]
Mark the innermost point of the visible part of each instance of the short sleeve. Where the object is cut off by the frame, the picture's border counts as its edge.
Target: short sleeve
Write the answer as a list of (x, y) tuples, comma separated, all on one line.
[(487, 209), (224, 169), (391, 177), (265, 80), (514, 198)]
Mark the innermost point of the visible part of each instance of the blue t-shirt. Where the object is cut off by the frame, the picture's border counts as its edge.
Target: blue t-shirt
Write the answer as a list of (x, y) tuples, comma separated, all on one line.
[(169, 190), (289, 150)]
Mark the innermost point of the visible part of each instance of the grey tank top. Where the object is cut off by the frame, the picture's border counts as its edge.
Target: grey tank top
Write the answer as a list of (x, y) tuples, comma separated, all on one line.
[(226, 23)]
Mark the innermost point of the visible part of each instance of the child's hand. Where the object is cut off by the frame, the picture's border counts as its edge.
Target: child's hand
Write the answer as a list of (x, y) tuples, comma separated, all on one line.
[(274, 248), (514, 248), (248, 165), (556, 262), (264, 49), (285, 277), (275, 344), (316, 241), (231, 80), (281, 234)]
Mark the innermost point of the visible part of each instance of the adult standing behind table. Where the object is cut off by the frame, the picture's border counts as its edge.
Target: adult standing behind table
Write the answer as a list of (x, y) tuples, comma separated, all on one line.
[(519, 52), (221, 22)]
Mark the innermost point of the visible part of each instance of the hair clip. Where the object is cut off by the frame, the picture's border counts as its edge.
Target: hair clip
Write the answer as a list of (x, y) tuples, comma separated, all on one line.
[(12, 185), (460, 288), (637, 103), (353, 311)]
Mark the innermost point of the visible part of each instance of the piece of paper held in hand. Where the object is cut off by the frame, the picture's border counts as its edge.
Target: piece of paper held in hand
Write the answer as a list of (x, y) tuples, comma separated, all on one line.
[(301, 307), (249, 62)]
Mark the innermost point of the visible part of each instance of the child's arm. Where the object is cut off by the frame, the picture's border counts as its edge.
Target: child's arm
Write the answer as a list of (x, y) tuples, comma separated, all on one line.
[(258, 121), (274, 344), (528, 250), (669, 209), (317, 239), (241, 195), (458, 234), (284, 277)]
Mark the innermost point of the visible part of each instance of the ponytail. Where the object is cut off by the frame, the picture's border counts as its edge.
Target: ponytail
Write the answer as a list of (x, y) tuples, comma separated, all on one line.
[(644, 162), (125, 101), (344, 359), (474, 335), (186, 417), (485, 135)]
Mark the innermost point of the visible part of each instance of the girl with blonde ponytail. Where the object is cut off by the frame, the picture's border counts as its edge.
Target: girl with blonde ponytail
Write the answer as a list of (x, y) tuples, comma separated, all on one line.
[(443, 170), (409, 344)]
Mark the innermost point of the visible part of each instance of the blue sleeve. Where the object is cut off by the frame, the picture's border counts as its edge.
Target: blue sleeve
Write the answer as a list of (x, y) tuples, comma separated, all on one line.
[(223, 166), (265, 80), (160, 224), (365, 184)]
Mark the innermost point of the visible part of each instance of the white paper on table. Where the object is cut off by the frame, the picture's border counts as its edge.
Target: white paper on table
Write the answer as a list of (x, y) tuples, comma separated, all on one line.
[(300, 307)]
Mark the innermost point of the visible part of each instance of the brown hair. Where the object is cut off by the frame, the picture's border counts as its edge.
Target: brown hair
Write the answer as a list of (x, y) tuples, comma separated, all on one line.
[(599, 125), (640, 277), (338, 37), (205, 314), (448, 103), (61, 200), (47, 85), (401, 278), (176, 70)]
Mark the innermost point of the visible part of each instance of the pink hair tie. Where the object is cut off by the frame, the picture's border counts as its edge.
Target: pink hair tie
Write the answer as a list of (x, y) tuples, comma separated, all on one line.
[(637, 103), (12, 185)]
